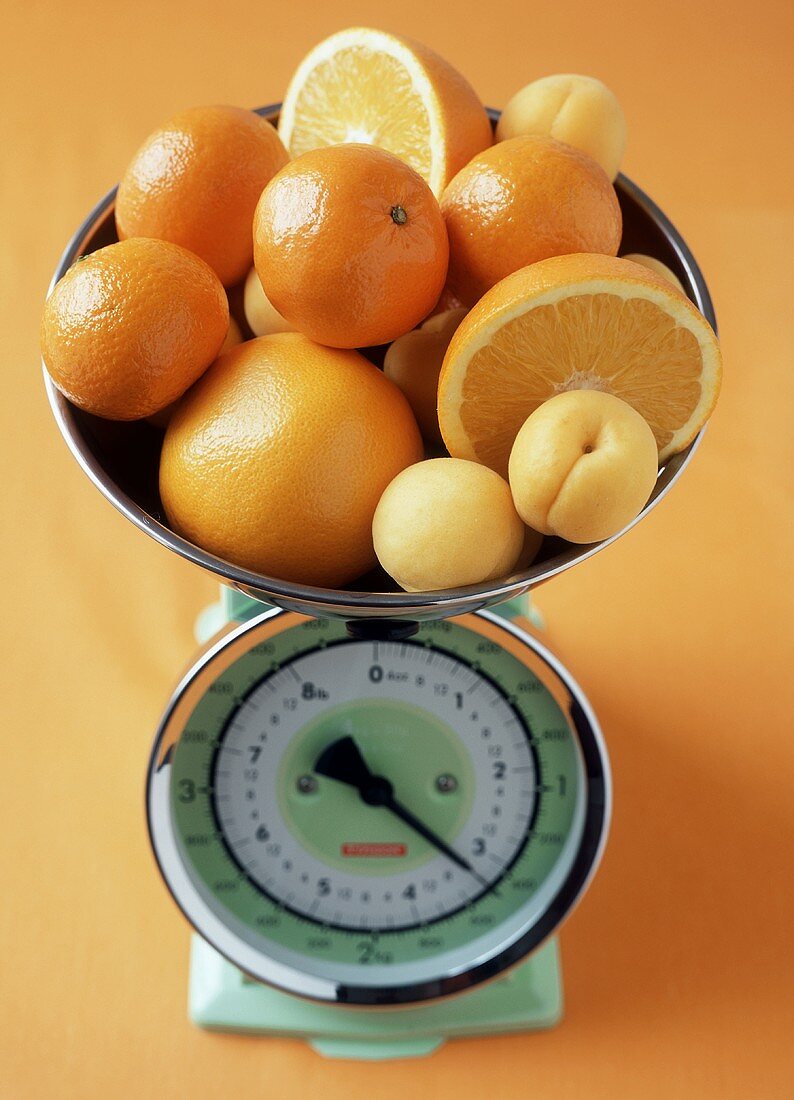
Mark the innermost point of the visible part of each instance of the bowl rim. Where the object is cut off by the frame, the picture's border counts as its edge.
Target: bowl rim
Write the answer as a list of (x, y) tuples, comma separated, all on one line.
[(351, 603)]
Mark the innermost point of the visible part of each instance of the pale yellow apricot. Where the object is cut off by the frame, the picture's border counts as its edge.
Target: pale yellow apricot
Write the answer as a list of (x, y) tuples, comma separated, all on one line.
[(582, 466), (445, 523), (262, 316), (413, 362), (579, 110), (652, 264)]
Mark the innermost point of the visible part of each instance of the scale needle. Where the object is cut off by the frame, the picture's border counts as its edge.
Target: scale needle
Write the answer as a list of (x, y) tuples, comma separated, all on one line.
[(342, 760)]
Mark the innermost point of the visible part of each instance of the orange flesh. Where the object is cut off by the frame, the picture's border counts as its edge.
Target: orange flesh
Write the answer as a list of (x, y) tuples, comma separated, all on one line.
[(362, 96), (587, 341)]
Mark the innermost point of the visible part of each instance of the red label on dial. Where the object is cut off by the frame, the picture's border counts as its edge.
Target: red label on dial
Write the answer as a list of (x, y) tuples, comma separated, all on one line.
[(374, 851)]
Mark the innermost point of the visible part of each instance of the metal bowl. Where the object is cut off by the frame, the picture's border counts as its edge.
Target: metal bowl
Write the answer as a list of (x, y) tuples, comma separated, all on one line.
[(122, 458)]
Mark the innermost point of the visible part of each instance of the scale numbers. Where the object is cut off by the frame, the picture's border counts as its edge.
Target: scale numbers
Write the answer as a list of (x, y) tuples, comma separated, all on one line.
[(374, 816)]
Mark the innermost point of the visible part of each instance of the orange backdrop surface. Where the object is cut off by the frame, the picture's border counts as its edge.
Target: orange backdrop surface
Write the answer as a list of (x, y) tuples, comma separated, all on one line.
[(678, 965)]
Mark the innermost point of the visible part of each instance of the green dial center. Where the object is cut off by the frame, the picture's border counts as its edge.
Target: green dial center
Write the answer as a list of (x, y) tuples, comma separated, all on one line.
[(405, 744)]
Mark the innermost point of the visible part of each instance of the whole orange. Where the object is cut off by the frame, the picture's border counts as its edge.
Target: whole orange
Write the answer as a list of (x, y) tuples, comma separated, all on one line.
[(521, 201), (277, 458), (196, 181), (350, 245), (129, 328)]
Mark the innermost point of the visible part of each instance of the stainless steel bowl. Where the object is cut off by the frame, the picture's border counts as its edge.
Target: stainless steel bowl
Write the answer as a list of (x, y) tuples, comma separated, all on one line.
[(122, 458)]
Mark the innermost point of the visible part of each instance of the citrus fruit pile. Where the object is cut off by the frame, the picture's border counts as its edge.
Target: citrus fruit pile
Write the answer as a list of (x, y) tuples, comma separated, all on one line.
[(385, 332)]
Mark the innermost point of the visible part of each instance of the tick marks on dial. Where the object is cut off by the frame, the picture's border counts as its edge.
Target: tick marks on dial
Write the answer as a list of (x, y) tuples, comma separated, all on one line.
[(441, 891)]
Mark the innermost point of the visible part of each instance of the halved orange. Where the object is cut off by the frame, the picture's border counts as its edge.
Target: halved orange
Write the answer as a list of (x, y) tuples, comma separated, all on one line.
[(573, 322), (363, 85)]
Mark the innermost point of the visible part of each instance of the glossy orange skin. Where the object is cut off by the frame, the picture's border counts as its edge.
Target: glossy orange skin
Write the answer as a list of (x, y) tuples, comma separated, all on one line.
[(277, 458), (331, 256), (521, 201), (196, 181), (233, 337), (129, 328)]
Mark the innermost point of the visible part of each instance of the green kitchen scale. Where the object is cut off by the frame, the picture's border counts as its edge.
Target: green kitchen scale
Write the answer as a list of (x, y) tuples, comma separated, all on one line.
[(372, 816), (374, 807)]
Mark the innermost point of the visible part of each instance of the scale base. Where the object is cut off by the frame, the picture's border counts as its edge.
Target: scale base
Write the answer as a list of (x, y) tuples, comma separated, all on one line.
[(221, 998)]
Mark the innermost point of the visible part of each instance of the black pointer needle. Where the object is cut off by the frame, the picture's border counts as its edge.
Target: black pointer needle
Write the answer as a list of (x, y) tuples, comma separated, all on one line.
[(342, 760)]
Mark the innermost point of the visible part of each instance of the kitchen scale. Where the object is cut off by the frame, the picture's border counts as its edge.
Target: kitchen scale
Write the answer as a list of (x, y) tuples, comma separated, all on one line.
[(374, 807), (376, 814)]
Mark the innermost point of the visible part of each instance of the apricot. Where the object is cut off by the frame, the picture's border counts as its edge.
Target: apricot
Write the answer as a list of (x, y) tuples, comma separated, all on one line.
[(652, 264), (582, 466), (445, 523), (579, 110), (262, 316), (413, 362)]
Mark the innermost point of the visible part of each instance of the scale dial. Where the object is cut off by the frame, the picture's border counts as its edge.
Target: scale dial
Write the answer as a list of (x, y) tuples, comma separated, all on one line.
[(376, 821)]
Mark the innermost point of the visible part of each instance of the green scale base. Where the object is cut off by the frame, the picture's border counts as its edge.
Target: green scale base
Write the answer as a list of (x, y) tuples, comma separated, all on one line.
[(222, 998)]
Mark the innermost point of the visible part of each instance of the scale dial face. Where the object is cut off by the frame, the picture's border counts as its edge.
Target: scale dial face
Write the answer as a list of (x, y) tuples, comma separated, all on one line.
[(376, 821)]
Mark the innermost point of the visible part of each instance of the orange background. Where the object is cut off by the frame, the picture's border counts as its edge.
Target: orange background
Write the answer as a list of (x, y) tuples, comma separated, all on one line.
[(678, 965)]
